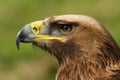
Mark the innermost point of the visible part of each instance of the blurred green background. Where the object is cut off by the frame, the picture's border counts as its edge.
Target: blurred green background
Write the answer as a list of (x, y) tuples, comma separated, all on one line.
[(31, 63)]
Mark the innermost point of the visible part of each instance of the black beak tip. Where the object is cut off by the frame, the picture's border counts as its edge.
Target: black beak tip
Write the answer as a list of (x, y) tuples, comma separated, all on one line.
[(24, 35), (18, 43)]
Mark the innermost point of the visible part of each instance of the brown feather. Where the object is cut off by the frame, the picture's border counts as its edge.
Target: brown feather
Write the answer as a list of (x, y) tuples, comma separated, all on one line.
[(89, 53)]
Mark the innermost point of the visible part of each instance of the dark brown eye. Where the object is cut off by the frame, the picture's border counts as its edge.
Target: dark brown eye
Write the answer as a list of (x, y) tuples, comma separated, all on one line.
[(66, 28)]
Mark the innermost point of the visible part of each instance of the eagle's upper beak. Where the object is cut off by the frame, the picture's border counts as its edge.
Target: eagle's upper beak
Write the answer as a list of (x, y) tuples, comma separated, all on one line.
[(31, 33)]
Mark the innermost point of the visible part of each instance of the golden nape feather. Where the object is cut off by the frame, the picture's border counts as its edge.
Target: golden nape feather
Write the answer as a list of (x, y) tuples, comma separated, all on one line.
[(84, 49)]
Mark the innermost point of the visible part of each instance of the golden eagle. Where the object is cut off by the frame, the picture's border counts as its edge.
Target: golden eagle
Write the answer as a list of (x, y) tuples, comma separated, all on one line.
[(84, 49)]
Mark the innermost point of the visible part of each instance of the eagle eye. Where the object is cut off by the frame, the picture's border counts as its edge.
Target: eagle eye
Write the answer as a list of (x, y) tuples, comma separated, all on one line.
[(66, 28)]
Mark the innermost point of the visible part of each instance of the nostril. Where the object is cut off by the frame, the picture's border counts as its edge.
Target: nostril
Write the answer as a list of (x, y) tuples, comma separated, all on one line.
[(35, 29)]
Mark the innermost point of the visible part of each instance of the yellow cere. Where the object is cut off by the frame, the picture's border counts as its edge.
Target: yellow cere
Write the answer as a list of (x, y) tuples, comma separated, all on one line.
[(36, 26)]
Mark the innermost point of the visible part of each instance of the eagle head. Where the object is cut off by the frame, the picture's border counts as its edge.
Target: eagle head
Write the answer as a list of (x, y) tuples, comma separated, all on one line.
[(79, 43)]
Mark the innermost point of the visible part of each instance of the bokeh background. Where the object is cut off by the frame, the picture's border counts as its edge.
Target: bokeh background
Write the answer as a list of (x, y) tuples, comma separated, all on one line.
[(31, 63)]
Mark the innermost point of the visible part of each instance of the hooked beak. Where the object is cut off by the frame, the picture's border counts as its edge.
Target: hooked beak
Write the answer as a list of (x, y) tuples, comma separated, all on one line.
[(31, 33), (25, 35)]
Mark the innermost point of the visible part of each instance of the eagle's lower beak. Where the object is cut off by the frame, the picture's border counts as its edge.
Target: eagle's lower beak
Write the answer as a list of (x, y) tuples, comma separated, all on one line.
[(31, 33)]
